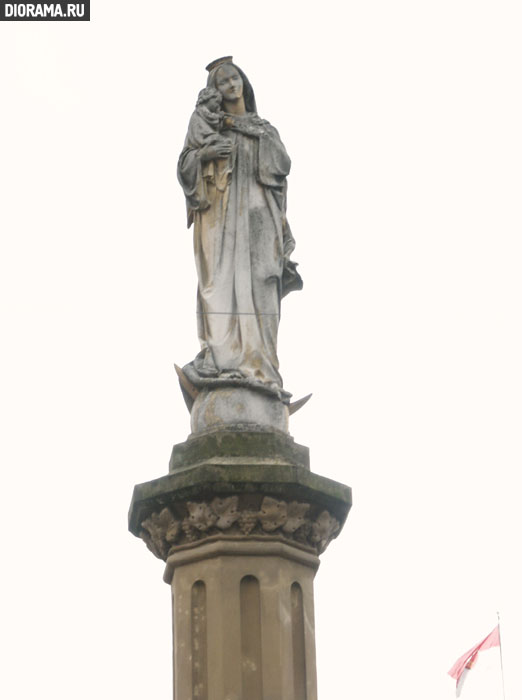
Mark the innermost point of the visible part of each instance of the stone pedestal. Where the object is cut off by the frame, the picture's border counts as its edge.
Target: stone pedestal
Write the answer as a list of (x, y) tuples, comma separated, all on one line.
[(240, 521), (217, 408)]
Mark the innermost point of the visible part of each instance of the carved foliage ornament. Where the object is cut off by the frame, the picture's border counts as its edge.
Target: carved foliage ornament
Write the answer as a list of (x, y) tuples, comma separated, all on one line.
[(163, 533)]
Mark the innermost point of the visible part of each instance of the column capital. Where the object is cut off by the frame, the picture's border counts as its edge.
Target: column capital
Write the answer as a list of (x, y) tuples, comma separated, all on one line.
[(239, 486)]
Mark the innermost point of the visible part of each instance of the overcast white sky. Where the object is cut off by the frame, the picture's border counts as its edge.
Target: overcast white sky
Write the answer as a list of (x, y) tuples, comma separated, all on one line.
[(403, 121)]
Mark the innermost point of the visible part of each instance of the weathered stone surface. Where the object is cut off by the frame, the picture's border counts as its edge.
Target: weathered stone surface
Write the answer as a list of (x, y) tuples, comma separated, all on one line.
[(235, 517), (243, 621), (237, 406), (237, 485), (239, 447)]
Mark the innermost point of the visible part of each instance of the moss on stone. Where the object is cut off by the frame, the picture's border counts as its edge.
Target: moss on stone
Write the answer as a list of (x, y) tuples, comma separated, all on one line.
[(249, 445), (226, 474)]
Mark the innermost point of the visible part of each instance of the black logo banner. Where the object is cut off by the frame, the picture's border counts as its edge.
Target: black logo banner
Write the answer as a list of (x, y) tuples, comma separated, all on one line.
[(38, 11)]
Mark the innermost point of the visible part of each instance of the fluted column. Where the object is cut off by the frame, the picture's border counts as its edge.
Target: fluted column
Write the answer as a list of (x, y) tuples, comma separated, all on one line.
[(243, 621)]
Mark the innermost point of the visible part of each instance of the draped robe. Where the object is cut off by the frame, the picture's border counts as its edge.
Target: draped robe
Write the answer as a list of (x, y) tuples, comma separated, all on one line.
[(242, 244)]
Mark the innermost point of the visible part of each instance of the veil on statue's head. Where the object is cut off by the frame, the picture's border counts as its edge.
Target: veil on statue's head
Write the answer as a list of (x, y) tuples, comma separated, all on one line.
[(248, 90)]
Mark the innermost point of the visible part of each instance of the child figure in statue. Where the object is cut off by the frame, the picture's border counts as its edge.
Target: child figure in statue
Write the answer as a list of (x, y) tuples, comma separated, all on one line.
[(212, 168), (206, 124), (208, 108)]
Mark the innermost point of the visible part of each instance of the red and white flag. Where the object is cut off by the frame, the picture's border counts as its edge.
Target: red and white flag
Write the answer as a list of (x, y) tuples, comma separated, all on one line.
[(462, 666)]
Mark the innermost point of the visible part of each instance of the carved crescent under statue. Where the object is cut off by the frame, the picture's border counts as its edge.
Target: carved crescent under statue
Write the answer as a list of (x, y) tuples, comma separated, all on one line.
[(190, 393)]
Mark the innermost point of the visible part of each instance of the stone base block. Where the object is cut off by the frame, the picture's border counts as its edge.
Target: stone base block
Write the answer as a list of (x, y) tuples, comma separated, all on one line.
[(237, 407), (234, 446)]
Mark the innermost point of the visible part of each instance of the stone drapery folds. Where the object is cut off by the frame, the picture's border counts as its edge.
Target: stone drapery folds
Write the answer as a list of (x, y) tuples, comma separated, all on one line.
[(233, 170)]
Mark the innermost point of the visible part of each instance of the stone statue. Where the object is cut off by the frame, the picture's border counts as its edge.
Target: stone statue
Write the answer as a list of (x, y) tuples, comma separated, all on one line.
[(233, 170)]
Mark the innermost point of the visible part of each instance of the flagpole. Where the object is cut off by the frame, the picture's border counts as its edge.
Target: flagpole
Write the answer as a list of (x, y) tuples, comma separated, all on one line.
[(501, 661)]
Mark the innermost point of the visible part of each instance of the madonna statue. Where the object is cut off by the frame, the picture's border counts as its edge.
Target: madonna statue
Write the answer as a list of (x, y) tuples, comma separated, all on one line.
[(233, 170)]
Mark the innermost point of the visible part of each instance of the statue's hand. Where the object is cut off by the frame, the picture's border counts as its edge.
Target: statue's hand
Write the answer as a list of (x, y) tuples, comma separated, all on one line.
[(220, 149)]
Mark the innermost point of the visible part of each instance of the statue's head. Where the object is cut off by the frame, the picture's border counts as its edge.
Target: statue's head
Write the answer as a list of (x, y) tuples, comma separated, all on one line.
[(210, 98), (231, 82)]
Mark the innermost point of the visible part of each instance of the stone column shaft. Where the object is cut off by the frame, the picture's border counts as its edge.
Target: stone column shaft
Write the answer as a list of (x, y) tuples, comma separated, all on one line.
[(243, 621)]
